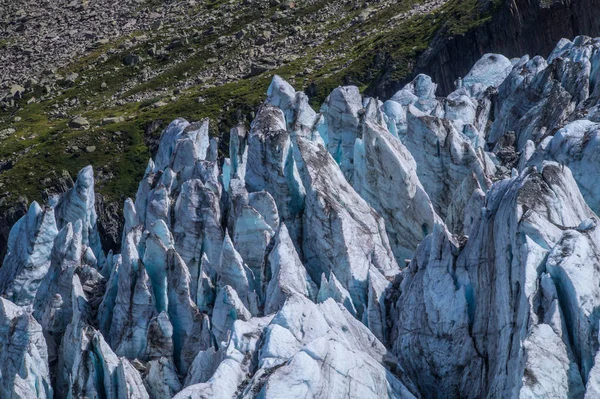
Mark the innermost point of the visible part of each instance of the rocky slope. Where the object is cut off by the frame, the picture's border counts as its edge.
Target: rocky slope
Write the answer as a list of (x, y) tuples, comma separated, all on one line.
[(419, 247)]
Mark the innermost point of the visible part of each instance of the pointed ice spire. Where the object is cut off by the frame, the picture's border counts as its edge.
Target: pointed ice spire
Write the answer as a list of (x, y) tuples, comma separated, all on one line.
[(168, 141), (191, 328), (197, 227), (342, 110), (271, 167), (228, 308), (79, 203), (205, 295), (134, 305), (233, 272), (288, 275), (343, 235), (28, 257), (24, 371), (333, 289), (238, 151), (52, 307), (386, 177), (299, 115)]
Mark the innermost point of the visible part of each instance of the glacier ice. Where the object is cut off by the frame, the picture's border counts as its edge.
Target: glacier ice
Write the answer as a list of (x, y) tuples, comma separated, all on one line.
[(417, 247), (24, 368), (28, 257)]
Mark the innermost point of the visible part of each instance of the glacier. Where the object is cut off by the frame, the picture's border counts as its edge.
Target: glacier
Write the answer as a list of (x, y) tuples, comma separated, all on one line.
[(418, 247)]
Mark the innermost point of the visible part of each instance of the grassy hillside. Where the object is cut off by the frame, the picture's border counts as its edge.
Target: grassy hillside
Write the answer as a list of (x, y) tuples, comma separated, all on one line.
[(205, 71)]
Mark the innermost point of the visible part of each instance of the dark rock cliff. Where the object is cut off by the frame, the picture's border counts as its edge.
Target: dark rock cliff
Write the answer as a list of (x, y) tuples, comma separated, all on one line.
[(7, 219)]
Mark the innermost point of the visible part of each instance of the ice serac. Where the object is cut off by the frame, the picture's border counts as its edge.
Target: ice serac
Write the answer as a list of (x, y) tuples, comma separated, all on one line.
[(192, 140), (236, 363), (271, 167), (134, 313), (129, 382), (168, 141), (299, 115), (494, 296), (342, 112), (87, 366), (470, 106), (28, 256), (388, 181), (520, 111), (24, 370), (342, 235), (465, 208), (547, 368), (288, 275), (205, 294), (161, 378), (490, 71), (79, 204), (52, 306), (548, 93), (305, 350), (420, 93), (203, 367), (105, 311), (432, 315), (197, 227), (228, 308), (522, 72), (577, 146), (331, 288), (235, 273), (253, 235), (191, 328), (444, 157)]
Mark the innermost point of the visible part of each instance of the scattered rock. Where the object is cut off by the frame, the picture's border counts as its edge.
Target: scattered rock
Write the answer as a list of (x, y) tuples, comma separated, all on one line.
[(110, 121), (17, 91), (131, 59), (70, 79), (79, 123), (7, 132), (159, 104), (257, 69)]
